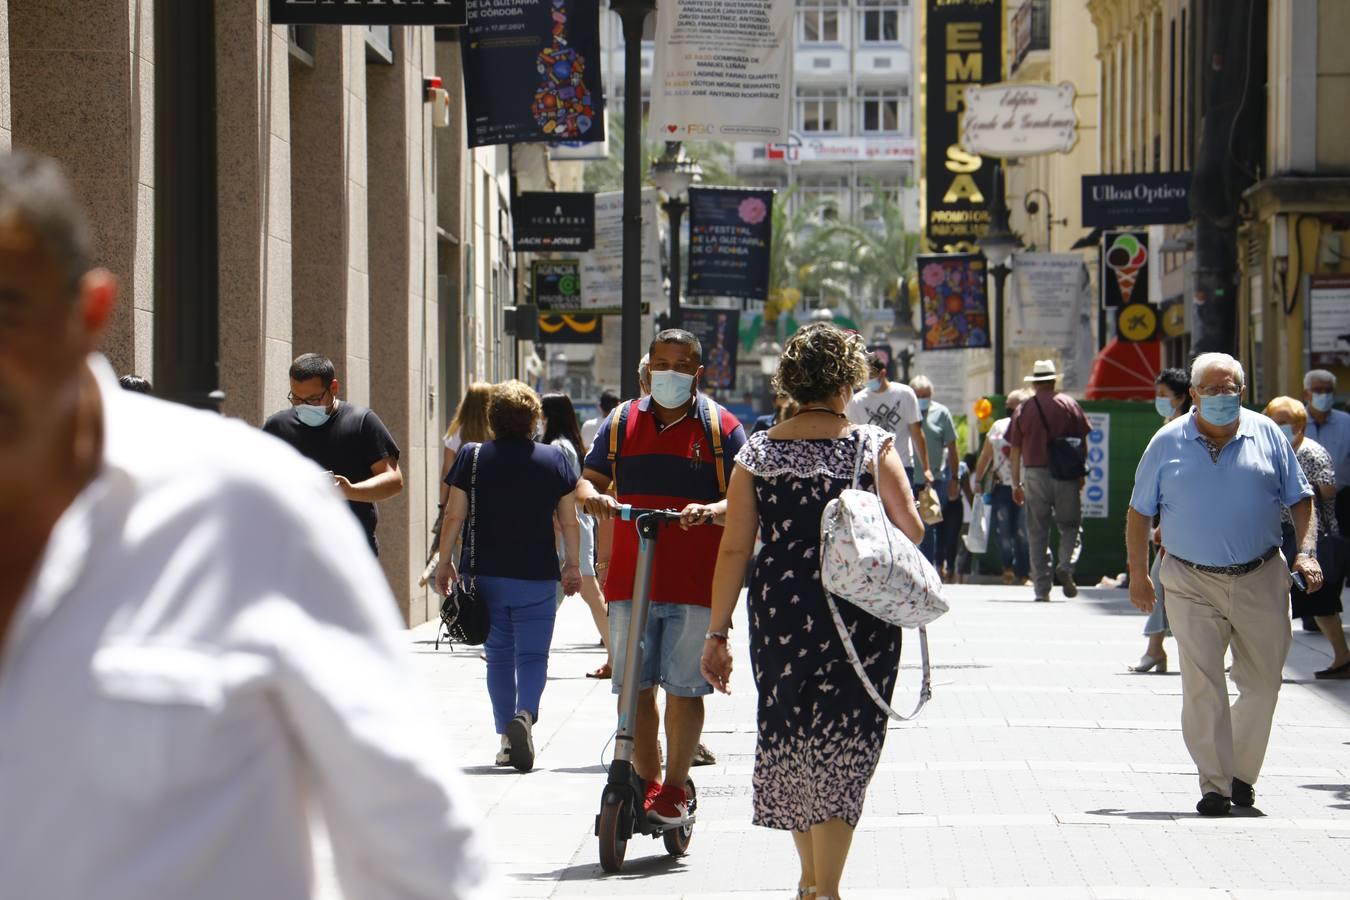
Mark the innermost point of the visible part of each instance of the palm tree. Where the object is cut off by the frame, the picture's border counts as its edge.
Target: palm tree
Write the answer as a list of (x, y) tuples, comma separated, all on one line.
[(880, 256)]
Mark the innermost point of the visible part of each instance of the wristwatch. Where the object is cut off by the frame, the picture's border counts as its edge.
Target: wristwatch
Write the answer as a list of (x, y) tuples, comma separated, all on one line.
[(720, 635)]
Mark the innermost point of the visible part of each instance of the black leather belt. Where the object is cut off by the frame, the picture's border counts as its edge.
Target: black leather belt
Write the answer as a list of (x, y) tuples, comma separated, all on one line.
[(1239, 569)]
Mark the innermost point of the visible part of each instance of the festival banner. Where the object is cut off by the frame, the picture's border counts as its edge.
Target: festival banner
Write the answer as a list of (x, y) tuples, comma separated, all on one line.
[(602, 267), (722, 71), (553, 220), (963, 47), (1044, 300), (532, 71), (556, 285), (955, 302), (729, 237), (1124, 272), (716, 330), (566, 328), (368, 12)]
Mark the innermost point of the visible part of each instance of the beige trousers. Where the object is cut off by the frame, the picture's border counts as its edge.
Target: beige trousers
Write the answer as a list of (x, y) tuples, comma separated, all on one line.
[(1207, 612)]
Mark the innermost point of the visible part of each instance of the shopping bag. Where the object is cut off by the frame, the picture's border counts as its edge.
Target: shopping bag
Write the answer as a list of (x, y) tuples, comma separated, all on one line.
[(930, 507), (981, 514)]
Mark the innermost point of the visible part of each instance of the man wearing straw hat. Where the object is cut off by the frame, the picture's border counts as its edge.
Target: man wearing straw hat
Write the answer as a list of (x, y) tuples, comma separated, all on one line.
[(1047, 417)]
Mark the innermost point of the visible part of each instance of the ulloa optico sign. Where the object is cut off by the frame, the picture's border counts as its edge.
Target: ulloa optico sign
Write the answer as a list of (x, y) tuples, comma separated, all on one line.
[(1143, 199)]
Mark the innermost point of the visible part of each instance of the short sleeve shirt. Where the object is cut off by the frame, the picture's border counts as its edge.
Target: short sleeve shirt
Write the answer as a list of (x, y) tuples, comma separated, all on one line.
[(666, 468), (519, 486), (1224, 511), (894, 409), (1000, 449), (1028, 432), (938, 430), (348, 444), (1334, 436)]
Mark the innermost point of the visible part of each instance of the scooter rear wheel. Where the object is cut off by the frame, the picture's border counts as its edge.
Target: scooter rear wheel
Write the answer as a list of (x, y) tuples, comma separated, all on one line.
[(677, 839), (612, 847)]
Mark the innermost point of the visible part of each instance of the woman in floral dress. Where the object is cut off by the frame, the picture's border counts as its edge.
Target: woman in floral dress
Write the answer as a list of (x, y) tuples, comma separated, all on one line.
[(820, 735)]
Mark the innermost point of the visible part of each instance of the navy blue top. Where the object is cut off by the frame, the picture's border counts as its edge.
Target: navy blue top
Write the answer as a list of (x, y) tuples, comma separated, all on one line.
[(519, 486)]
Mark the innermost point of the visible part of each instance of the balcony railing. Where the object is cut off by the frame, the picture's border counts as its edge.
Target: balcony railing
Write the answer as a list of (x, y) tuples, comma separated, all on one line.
[(1030, 29)]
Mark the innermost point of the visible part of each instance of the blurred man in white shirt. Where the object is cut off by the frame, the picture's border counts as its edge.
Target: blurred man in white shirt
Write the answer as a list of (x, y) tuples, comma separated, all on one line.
[(894, 407), (196, 643)]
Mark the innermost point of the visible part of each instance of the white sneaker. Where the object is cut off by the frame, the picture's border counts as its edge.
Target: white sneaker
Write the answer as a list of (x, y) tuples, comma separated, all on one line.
[(503, 756), (521, 750)]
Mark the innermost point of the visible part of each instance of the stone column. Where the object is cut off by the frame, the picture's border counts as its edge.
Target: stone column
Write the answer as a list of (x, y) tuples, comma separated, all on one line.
[(6, 135)]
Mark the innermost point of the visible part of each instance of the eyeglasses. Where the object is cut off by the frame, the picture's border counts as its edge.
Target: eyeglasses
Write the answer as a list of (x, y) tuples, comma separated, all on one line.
[(306, 401), (1218, 391)]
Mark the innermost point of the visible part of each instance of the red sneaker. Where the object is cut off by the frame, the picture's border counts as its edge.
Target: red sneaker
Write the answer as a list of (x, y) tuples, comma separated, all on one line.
[(670, 807), (653, 789)]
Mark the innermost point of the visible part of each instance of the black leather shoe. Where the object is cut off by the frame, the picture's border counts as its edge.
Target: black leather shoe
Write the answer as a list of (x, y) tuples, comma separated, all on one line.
[(1243, 793), (1213, 804)]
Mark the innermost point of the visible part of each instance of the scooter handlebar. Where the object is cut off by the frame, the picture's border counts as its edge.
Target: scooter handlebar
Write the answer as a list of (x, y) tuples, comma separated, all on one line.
[(629, 513)]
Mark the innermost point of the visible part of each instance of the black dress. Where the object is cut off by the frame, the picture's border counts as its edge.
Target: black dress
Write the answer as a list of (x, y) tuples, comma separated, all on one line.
[(820, 734)]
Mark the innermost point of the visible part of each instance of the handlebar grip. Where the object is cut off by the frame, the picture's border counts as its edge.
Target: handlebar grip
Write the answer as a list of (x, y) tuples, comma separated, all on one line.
[(626, 512)]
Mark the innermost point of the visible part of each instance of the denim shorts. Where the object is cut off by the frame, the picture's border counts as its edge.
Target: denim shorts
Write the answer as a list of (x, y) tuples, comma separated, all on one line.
[(672, 647)]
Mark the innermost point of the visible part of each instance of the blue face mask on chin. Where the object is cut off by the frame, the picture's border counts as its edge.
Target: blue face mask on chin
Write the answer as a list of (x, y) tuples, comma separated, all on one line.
[(313, 416), (672, 389), (1222, 410)]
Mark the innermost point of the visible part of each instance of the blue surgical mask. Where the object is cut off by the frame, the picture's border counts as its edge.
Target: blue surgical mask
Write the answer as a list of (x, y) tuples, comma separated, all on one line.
[(924, 403), (1322, 402), (672, 389), (874, 384), (1221, 410), (313, 416), (1163, 406), (1288, 432)]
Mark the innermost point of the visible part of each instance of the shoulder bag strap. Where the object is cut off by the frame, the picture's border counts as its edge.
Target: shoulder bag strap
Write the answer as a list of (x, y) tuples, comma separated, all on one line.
[(713, 424), (1035, 401), (859, 455), (925, 691), (473, 514)]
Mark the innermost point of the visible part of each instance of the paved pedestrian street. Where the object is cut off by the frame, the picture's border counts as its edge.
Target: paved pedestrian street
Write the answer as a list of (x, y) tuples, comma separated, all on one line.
[(1041, 769)]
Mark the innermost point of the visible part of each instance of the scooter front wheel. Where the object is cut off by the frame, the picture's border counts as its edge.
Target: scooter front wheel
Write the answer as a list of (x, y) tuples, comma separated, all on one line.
[(612, 847), (677, 839)]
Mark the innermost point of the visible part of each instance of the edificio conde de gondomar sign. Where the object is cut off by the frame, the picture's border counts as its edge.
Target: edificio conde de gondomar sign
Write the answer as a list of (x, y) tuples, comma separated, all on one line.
[(1144, 199), (368, 12)]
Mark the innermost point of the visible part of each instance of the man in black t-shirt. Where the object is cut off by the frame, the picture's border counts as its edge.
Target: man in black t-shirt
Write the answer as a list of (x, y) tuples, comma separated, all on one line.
[(348, 440)]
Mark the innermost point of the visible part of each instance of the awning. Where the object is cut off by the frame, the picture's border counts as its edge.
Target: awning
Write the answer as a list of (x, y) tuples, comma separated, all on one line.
[(1125, 371)]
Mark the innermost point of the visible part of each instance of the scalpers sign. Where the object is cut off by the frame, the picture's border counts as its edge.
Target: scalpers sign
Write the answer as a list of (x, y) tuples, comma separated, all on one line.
[(1008, 120), (964, 47), (368, 12)]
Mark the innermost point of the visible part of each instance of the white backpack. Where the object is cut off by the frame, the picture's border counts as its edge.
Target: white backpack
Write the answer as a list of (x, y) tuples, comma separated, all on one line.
[(869, 562)]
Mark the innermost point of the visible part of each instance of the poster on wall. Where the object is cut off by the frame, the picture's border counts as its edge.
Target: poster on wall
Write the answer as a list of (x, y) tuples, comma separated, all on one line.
[(1329, 320), (717, 331), (1044, 295), (568, 328), (729, 239), (556, 285), (1097, 485), (722, 71), (963, 47), (532, 71), (1124, 268), (552, 220), (955, 302), (602, 267)]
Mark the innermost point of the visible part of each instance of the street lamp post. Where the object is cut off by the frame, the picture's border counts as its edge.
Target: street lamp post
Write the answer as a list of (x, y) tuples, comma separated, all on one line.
[(674, 173), (633, 14), (998, 245)]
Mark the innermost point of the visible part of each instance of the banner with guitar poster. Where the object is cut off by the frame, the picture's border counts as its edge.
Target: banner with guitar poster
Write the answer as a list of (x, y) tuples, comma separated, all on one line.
[(717, 331), (532, 71), (722, 74)]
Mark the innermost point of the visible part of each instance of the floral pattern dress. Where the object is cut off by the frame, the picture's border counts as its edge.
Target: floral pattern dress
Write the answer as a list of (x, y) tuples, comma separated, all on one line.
[(820, 735)]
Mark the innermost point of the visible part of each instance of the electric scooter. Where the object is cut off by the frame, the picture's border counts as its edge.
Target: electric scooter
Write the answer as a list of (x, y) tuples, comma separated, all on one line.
[(621, 805)]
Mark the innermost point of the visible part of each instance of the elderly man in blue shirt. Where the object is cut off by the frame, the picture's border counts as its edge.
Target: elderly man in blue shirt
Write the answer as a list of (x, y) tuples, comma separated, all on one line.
[(1220, 477)]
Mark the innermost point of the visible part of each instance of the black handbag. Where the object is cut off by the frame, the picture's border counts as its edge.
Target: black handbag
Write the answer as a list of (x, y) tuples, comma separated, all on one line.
[(464, 618), (1067, 455)]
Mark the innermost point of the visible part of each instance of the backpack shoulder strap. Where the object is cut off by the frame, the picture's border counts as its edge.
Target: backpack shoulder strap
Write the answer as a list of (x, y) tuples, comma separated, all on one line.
[(712, 423), (618, 424)]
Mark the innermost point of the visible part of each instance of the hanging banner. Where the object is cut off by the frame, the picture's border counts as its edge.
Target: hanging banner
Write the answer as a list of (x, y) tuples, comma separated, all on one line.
[(1010, 120), (602, 267), (963, 47), (556, 284), (368, 12), (1124, 268), (532, 71), (955, 302), (583, 150), (716, 330), (571, 329), (722, 70), (1043, 299), (729, 236), (1097, 485), (543, 220)]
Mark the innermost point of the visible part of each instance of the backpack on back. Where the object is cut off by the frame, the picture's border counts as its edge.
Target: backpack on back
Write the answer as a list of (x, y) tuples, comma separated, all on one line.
[(710, 414)]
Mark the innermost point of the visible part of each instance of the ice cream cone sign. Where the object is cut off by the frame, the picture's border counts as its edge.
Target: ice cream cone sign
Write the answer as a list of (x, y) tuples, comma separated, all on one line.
[(1125, 257)]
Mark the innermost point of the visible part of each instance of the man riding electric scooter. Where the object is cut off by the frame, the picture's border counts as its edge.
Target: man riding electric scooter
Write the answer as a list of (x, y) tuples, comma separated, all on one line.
[(672, 449)]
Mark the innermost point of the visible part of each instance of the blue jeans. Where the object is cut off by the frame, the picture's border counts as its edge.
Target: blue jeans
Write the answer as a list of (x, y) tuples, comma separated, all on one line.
[(520, 615), (672, 647), (929, 545), (1010, 531)]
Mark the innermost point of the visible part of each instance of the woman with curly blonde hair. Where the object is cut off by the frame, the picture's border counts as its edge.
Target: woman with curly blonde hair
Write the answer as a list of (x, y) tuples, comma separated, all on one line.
[(820, 734)]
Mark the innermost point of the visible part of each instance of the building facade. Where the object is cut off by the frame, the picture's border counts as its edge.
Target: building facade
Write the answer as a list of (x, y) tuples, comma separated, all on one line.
[(264, 191)]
